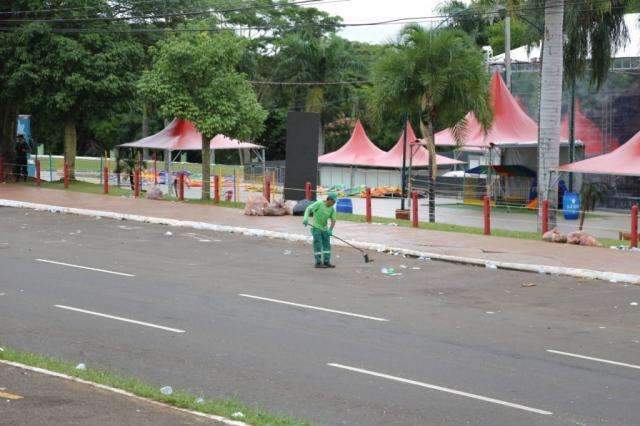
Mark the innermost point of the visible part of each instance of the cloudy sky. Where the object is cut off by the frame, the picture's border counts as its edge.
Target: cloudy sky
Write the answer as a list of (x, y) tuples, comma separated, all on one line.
[(357, 11)]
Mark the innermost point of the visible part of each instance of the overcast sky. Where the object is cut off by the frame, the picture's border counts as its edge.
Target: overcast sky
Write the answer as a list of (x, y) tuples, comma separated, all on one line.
[(356, 11)]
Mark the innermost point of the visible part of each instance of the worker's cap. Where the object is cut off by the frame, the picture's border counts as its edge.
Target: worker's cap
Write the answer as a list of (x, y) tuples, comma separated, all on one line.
[(332, 196)]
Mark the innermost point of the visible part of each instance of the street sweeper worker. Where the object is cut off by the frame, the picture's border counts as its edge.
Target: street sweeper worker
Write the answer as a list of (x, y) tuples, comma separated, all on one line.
[(323, 212)]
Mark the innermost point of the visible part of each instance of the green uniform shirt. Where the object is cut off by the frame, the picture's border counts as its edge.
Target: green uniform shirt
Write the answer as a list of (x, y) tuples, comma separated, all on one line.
[(321, 214)]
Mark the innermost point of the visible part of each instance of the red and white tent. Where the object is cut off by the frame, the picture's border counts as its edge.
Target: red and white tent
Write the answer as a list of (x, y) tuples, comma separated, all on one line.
[(416, 155), (623, 161), (182, 135), (358, 151), (511, 125), (588, 133)]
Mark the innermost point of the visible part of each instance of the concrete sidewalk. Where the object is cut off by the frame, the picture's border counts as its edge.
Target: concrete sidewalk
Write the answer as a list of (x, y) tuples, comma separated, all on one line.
[(494, 249)]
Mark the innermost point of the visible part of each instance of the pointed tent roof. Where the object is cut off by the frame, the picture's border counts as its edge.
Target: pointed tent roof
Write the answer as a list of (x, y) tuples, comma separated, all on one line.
[(511, 125), (393, 158), (182, 135), (358, 151), (624, 161), (588, 133)]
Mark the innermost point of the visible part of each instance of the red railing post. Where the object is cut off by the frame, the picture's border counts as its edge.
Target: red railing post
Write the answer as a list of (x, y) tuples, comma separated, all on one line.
[(486, 213), (216, 189), (634, 225), (307, 191), (181, 186), (1, 169), (105, 180), (155, 168), (38, 172), (368, 205), (267, 188), (65, 172), (136, 182), (414, 209), (545, 216)]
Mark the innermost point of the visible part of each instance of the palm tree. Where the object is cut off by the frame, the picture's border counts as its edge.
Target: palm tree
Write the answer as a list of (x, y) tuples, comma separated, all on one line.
[(593, 29), (550, 105), (440, 75)]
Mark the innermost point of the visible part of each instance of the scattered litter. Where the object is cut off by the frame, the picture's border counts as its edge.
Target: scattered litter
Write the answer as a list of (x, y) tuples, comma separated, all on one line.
[(395, 253), (416, 268), (403, 266), (392, 224), (1, 349), (491, 266), (440, 293), (528, 285), (286, 252), (602, 327), (633, 303), (380, 250), (389, 271), (168, 233), (199, 400), (613, 280), (81, 366), (128, 228), (238, 415), (217, 241), (489, 312), (202, 240), (166, 390)]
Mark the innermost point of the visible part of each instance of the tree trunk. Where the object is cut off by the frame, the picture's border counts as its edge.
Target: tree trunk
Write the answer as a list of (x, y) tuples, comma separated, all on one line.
[(206, 168), (8, 116), (429, 135), (70, 146), (550, 107)]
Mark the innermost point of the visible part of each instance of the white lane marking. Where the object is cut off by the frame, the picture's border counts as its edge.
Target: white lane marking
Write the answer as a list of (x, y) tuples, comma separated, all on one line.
[(98, 314), (441, 389), (317, 308), (606, 361), (85, 267)]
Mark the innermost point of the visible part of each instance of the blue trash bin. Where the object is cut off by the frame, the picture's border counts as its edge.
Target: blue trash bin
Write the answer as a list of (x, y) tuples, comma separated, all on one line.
[(571, 205), (344, 205)]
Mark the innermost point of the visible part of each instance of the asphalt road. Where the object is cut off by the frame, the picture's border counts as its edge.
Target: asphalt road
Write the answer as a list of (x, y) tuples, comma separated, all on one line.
[(35, 399), (232, 316)]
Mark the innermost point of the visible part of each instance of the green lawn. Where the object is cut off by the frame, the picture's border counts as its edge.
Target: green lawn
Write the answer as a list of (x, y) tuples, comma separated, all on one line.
[(91, 188), (84, 164), (220, 407)]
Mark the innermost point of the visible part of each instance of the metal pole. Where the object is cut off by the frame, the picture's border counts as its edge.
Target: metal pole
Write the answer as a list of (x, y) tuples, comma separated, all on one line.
[(507, 48), (572, 128), (403, 175)]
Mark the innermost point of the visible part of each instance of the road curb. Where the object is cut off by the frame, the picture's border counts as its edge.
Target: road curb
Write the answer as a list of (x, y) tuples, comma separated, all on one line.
[(614, 277), (220, 419)]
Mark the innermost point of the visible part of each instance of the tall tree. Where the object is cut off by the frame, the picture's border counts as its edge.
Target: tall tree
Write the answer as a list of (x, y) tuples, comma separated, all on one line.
[(195, 77), (550, 105), (440, 75)]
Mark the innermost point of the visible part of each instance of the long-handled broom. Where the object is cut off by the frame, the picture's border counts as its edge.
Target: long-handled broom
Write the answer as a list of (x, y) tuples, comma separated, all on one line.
[(364, 254)]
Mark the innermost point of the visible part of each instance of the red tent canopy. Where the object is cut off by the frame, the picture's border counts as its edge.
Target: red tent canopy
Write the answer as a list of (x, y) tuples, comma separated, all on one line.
[(511, 125), (588, 133), (393, 158), (358, 151), (624, 160), (182, 135)]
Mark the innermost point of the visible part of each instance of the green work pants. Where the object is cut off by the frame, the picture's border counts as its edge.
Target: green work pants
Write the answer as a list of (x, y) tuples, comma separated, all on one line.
[(321, 246)]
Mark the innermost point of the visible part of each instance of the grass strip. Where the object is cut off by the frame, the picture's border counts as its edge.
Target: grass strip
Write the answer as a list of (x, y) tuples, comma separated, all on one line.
[(181, 399)]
